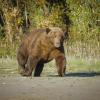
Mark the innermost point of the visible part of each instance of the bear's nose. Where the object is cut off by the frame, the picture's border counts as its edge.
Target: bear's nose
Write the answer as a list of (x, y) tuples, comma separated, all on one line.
[(57, 44)]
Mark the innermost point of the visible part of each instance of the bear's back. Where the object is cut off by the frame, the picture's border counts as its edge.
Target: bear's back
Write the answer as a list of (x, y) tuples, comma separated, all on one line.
[(33, 36)]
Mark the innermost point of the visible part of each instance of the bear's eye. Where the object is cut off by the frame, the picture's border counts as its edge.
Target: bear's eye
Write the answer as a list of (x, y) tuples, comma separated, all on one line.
[(55, 36)]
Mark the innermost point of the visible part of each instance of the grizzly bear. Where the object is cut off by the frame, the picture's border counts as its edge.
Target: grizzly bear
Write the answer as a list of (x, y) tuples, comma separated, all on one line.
[(39, 47)]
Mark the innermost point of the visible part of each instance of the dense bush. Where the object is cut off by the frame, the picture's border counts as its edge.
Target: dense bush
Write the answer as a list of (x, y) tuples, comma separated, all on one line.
[(79, 17)]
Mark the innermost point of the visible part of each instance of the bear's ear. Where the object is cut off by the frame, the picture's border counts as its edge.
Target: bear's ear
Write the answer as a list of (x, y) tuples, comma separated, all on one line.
[(48, 30)]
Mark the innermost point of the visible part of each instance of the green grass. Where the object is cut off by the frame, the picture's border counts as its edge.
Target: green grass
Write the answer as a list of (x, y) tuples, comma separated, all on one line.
[(4, 52), (9, 66), (83, 65)]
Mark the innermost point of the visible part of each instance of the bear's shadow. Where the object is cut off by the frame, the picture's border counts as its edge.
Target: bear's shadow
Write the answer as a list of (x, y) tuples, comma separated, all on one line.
[(79, 74)]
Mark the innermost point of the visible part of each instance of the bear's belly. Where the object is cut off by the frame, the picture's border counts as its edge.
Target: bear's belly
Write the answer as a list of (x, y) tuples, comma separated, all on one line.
[(46, 61)]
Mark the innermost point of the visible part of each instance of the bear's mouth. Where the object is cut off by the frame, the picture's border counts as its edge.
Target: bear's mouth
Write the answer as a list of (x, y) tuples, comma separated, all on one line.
[(57, 45)]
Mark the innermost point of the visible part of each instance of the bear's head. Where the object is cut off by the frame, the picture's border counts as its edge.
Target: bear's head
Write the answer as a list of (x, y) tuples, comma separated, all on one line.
[(56, 36)]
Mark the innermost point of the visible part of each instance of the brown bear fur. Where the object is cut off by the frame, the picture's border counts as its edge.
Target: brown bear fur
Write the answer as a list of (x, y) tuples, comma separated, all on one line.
[(41, 46)]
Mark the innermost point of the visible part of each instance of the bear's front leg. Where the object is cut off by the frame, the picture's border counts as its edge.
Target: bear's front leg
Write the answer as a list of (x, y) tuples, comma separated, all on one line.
[(31, 64), (38, 69), (61, 64)]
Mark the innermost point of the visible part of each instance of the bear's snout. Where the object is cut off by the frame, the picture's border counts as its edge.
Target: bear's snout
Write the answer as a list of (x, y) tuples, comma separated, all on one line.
[(57, 43)]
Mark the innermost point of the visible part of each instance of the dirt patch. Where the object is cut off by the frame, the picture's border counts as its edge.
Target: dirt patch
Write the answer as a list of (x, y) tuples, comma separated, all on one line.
[(49, 88)]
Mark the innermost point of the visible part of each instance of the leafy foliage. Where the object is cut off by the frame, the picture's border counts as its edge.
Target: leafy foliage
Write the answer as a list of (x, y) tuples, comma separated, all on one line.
[(80, 17)]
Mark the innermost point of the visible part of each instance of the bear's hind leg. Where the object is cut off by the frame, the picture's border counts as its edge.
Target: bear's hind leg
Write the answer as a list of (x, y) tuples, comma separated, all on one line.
[(31, 64), (22, 62)]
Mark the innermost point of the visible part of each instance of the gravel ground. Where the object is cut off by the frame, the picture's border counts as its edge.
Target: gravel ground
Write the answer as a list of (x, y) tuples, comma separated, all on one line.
[(50, 88)]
